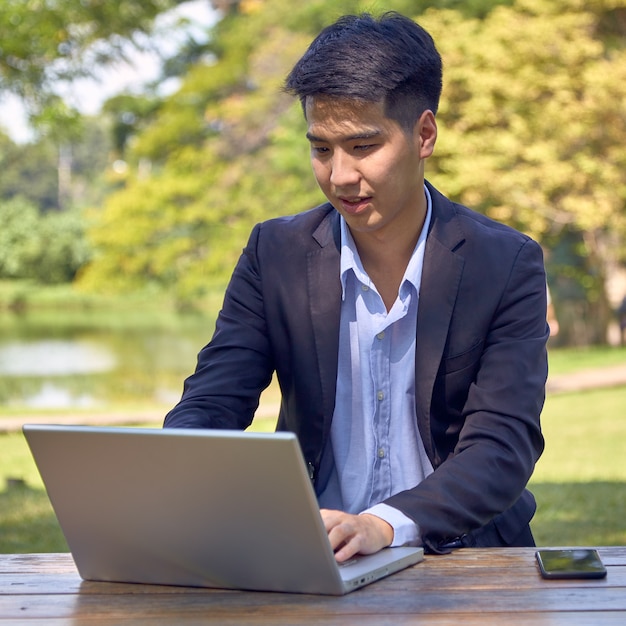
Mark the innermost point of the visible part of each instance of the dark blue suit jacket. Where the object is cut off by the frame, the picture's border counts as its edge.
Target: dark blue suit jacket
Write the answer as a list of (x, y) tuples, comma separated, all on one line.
[(481, 362)]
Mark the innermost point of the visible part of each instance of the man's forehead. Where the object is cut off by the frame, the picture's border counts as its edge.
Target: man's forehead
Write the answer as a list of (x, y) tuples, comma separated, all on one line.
[(333, 106)]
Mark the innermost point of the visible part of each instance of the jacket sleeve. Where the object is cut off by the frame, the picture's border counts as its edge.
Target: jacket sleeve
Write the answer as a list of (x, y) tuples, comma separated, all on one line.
[(235, 367), (486, 405)]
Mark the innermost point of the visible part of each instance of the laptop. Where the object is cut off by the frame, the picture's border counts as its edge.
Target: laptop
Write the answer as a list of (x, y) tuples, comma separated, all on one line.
[(201, 508)]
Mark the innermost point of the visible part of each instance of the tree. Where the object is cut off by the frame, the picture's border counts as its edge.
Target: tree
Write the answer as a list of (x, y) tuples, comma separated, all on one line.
[(533, 129), (47, 250), (29, 171), (532, 133), (47, 42), (192, 214), (47, 45)]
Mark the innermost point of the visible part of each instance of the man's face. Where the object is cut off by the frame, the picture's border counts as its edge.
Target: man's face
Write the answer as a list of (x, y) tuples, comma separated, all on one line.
[(369, 168)]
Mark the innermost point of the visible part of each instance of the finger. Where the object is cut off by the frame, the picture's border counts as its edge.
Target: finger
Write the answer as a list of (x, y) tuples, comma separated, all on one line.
[(362, 534), (331, 518), (346, 537), (347, 550), (339, 533)]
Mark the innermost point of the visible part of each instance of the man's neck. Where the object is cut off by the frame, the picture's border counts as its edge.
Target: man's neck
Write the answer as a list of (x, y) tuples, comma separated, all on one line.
[(385, 257)]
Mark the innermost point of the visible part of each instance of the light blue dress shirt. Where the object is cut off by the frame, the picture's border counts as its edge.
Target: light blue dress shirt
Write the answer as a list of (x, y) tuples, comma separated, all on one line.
[(376, 447)]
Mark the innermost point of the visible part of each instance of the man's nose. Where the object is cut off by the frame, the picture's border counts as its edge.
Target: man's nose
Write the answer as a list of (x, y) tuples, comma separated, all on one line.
[(344, 171)]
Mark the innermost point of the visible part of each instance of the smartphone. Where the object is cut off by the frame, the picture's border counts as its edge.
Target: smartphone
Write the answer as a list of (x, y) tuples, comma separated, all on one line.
[(572, 563)]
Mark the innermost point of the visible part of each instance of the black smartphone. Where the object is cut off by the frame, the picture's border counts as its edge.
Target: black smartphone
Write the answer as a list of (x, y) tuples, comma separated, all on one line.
[(571, 563)]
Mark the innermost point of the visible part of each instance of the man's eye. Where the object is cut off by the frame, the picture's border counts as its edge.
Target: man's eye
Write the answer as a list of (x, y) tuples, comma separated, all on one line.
[(319, 149), (364, 147)]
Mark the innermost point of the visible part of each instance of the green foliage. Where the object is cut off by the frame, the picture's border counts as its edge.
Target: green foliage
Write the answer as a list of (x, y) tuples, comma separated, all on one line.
[(172, 229), (29, 171), (209, 186), (44, 43), (531, 132), (129, 114), (90, 156), (48, 249), (531, 103)]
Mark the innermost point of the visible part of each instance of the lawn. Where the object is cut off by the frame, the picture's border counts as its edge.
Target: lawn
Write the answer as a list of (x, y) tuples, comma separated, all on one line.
[(580, 481)]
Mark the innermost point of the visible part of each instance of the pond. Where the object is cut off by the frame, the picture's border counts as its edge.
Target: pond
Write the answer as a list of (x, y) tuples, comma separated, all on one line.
[(90, 360)]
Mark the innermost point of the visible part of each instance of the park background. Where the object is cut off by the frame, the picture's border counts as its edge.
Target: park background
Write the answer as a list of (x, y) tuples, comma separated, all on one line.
[(119, 227)]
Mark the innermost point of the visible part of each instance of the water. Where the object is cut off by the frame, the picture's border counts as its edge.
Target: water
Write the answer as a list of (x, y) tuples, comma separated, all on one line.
[(84, 361), (55, 357)]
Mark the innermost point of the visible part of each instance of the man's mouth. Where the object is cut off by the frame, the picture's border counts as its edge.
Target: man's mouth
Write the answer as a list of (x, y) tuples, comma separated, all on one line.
[(354, 205)]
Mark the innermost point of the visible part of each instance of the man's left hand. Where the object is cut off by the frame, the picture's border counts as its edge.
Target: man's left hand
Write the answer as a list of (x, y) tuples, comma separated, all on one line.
[(355, 534)]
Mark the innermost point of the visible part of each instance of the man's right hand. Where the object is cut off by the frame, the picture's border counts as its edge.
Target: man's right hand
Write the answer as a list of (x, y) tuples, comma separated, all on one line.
[(355, 534)]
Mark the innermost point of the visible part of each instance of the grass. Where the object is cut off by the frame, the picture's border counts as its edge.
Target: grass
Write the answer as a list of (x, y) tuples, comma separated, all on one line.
[(27, 522), (569, 360), (26, 296), (579, 483)]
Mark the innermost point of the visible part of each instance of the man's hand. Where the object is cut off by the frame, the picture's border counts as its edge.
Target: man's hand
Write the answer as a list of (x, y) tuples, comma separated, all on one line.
[(352, 534)]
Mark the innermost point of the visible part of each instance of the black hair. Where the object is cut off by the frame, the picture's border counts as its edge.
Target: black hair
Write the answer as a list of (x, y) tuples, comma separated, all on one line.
[(390, 59)]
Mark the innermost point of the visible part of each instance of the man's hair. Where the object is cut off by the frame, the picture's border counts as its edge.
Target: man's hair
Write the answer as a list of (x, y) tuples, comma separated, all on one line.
[(390, 59)]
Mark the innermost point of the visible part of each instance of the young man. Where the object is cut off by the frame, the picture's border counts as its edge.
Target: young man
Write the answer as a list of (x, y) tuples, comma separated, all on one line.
[(407, 332)]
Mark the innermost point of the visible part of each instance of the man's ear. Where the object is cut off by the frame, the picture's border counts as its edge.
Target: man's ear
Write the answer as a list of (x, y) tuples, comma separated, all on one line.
[(426, 133)]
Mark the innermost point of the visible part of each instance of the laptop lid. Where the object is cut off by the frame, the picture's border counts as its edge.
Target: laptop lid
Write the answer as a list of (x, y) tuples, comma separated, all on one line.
[(206, 508)]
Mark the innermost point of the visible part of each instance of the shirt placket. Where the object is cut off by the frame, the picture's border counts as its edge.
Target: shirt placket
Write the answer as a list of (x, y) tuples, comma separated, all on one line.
[(379, 359)]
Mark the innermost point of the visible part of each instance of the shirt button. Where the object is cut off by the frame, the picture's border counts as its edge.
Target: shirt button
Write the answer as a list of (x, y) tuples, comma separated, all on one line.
[(380, 335), (365, 288), (380, 395), (381, 453)]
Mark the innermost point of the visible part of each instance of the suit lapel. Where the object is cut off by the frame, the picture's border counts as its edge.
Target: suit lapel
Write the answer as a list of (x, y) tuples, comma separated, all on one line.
[(441, 277), (325, 305)]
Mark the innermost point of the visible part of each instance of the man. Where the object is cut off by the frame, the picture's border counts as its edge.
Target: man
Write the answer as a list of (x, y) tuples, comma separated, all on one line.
[(407, 332)]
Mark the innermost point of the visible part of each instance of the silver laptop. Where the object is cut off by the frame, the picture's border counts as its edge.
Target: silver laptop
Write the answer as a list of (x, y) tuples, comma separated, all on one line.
[(201, 508)]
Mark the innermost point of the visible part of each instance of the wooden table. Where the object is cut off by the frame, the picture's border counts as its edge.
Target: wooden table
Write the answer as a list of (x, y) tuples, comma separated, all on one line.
[(468, 587)]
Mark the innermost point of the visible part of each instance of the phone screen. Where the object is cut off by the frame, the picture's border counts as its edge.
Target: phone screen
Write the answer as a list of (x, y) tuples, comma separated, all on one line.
[(573, 563)]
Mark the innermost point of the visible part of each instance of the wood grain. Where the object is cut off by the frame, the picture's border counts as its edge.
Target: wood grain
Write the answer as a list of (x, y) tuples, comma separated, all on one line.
[(469, 587)]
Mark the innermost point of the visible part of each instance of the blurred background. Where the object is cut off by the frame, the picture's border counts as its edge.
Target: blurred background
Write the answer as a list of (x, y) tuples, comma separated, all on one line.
[(140, 141)]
